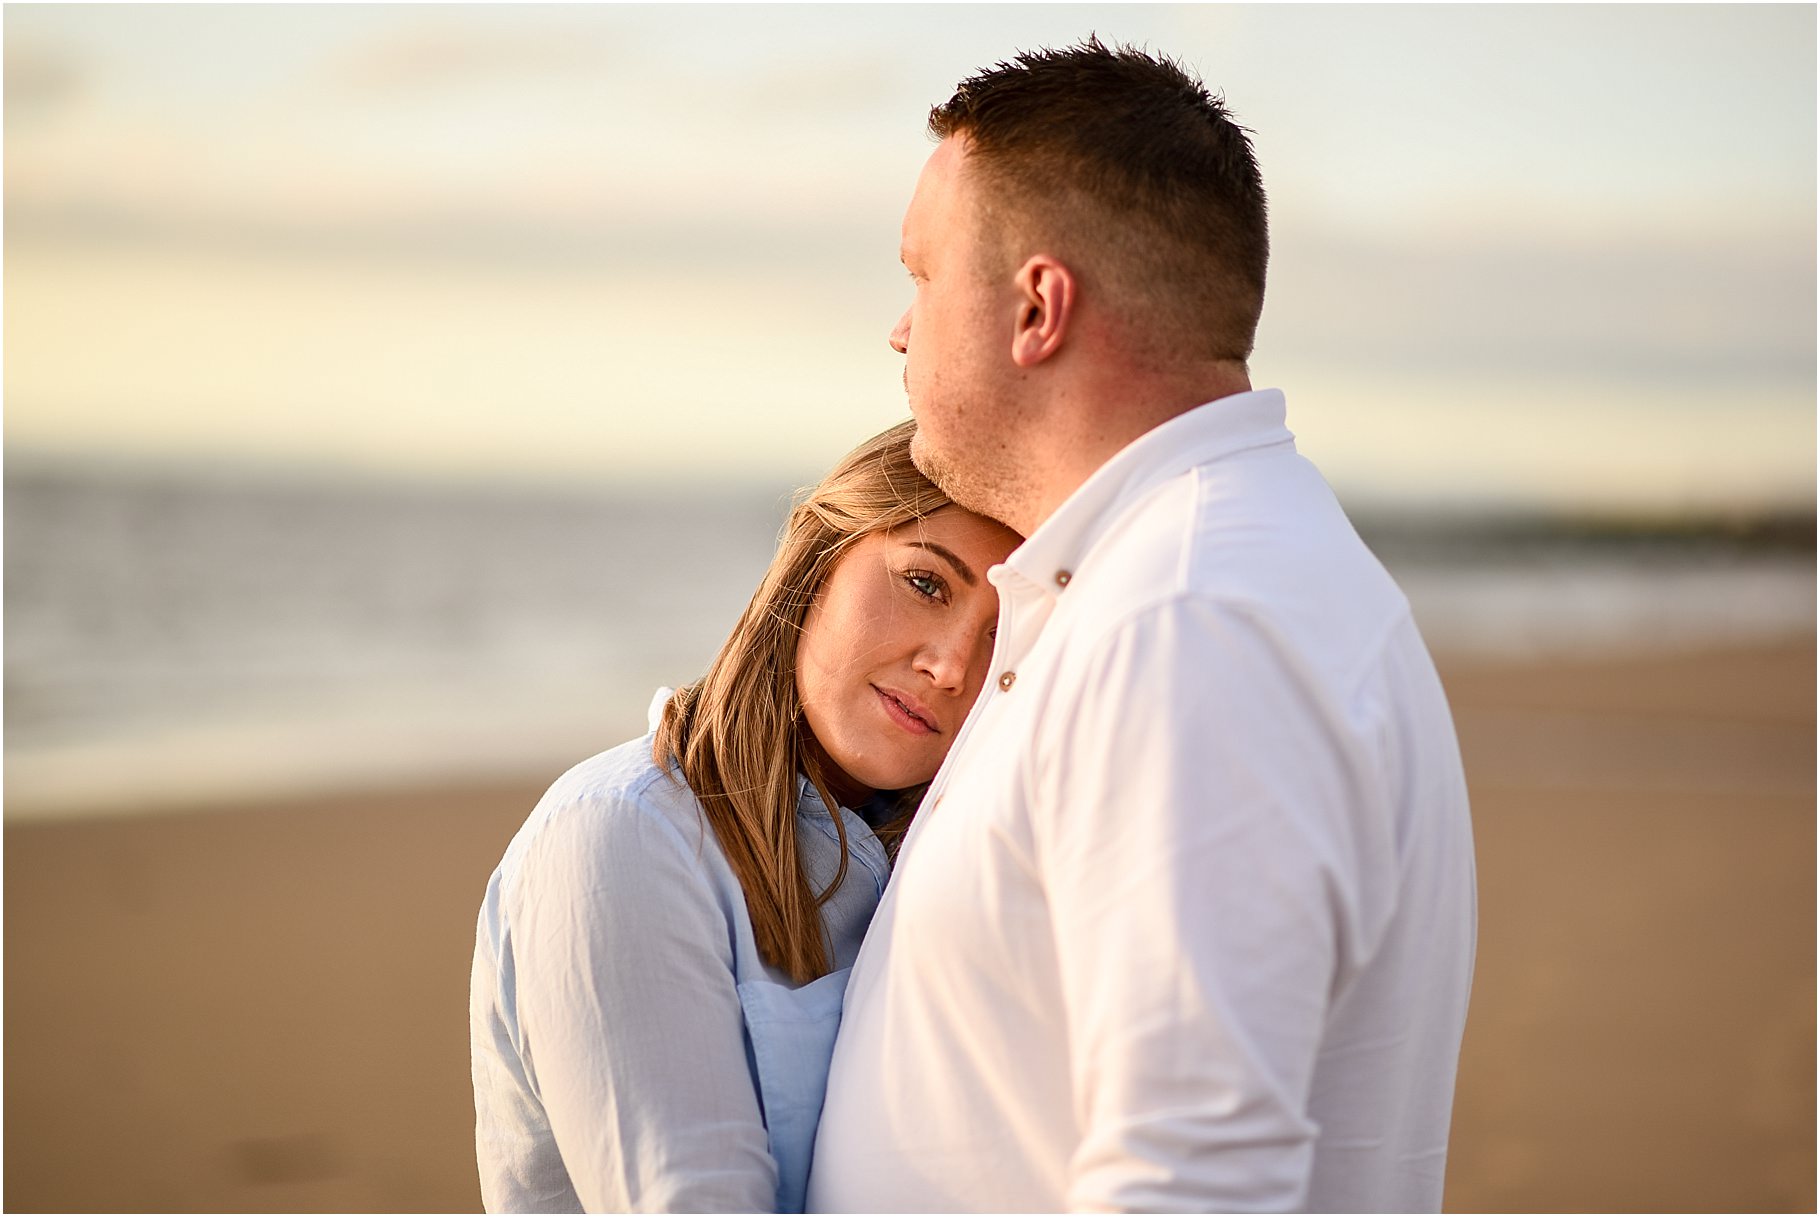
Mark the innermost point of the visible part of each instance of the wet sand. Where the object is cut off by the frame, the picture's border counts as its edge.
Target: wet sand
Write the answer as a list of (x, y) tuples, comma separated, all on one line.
[(265, 1009)]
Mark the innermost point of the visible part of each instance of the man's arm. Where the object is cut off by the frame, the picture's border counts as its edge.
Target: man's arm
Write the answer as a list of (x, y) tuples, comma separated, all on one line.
[(1194, 784), (631, 1019)]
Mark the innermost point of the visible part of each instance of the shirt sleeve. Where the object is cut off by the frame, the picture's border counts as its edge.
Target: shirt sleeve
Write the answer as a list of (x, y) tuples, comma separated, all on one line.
[(1191, 782), (630, 1017)]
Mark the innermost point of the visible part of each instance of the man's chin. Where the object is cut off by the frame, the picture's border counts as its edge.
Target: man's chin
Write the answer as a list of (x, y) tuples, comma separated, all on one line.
[(928, 463), (962, 490)]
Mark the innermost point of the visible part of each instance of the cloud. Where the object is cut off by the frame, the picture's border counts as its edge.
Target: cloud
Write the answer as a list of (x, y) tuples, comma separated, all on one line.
[(425, 57), (38, 80), (1642, 308), (826, 88)]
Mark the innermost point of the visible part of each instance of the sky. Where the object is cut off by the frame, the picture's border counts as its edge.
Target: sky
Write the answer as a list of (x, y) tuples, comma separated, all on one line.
[(1550, 256)]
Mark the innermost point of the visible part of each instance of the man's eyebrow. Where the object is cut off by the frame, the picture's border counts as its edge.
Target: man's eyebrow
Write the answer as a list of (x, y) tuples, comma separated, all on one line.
[(960, 568)]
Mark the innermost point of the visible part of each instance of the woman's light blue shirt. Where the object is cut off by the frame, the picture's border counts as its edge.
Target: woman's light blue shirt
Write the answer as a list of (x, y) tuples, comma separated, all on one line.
[(631, 1051)]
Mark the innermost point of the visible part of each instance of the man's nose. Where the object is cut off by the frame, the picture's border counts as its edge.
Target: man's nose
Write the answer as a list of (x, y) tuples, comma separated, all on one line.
[(900, 334)]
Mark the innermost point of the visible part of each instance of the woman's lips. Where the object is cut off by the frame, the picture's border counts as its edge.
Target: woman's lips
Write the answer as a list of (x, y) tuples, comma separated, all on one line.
[(903, 716)]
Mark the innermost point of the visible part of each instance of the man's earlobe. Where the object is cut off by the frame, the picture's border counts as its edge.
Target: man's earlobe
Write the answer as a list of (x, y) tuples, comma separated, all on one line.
[(1046, 307)]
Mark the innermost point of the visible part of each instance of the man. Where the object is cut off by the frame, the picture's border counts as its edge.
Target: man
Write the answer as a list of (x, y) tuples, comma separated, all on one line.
[(1186, 920)]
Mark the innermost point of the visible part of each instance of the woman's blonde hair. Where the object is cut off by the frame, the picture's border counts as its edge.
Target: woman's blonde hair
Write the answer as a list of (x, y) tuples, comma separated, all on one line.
[(738, 735)]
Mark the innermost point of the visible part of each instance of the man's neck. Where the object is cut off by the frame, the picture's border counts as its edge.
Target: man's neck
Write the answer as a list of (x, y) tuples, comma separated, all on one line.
[(1104, 425)]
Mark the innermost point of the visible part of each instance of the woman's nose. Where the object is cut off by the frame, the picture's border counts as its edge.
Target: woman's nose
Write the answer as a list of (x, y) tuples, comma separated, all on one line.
[(949, 659)]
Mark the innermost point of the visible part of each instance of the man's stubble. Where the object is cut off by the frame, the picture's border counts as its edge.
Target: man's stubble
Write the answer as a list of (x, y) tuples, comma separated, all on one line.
[(978, 470)]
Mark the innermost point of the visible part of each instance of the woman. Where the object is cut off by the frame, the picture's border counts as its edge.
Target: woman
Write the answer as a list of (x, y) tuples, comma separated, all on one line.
[(661, 953)]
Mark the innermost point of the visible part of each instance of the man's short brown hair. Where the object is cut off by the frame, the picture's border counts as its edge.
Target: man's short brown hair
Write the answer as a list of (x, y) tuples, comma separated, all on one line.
[(1140, 174)]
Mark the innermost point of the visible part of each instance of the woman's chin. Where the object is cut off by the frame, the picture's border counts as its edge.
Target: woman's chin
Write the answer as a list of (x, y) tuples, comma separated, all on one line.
[(893, 777)]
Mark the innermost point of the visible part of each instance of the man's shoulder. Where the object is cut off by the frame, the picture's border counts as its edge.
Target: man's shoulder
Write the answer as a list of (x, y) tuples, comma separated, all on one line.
[(1261, 539)]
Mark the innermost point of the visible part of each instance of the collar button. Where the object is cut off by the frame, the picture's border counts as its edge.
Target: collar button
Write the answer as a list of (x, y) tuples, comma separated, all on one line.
[(1007, 679), (1062, 577)]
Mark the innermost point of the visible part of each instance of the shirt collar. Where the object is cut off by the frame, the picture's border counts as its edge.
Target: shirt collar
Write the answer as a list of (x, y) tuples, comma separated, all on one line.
[(1200, 436), (808, 798), (872, 811)]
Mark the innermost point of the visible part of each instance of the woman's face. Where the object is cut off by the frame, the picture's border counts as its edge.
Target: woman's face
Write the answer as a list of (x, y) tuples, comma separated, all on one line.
[(895, 649)]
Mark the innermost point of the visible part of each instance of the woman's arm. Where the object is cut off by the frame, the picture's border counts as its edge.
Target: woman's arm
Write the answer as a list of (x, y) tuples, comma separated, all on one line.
[(632, 1034)]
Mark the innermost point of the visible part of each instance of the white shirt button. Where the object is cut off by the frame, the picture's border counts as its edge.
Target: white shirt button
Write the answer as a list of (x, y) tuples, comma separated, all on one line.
[(1006, 680), (1062, 577)]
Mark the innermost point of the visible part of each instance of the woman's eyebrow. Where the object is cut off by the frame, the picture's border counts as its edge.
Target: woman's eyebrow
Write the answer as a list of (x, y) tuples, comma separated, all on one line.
[(942, 551)]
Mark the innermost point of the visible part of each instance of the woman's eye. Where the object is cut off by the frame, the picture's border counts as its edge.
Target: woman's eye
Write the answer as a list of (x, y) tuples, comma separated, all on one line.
[(925, 585)]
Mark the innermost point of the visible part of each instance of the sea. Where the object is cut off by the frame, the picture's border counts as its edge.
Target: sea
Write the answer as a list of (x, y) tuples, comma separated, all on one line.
[(183, 640)]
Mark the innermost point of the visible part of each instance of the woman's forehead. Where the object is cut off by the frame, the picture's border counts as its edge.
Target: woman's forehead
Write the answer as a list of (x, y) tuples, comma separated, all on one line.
[(957, 528)]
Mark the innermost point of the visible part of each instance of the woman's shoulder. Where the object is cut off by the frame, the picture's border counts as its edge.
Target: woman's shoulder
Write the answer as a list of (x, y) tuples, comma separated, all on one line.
[(617, 809), (627, 776)]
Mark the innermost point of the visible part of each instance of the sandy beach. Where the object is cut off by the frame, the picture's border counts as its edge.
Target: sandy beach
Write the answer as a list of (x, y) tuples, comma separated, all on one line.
[(264, 1009)]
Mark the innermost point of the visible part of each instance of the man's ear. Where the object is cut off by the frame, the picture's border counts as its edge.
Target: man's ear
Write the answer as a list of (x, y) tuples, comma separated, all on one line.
[(1045, 298)]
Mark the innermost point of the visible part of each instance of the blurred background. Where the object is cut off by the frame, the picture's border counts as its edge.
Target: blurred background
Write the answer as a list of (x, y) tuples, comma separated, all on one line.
[(395, 396)]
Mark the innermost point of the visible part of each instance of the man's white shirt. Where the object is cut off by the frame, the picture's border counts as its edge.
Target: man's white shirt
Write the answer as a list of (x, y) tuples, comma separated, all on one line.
[(1187, 919)]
